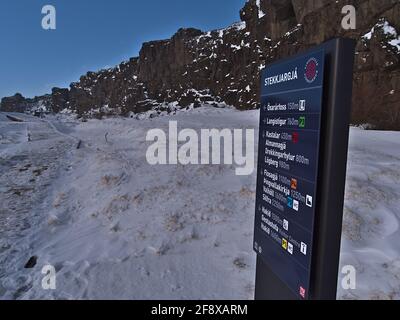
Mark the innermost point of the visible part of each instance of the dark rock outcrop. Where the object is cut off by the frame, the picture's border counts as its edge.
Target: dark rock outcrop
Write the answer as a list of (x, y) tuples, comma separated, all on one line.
[(59, 99), (194, 67), (31, 262), (16, 103)]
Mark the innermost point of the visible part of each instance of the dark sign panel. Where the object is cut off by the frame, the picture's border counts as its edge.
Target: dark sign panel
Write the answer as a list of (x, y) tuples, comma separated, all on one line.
[(290, 124)]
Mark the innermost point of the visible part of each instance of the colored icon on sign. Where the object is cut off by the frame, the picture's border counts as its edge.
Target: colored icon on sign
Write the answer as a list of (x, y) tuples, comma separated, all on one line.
[(290, 248), (284, 244), (285, 225), (309, 201), (302, 105), (295, 137), (296, 205), (302, 292), (303, 248), (293, 184), (302, 122), (290, 202)]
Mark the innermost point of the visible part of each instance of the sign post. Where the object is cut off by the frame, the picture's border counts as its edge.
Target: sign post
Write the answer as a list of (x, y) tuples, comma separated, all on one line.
[(303, 142)]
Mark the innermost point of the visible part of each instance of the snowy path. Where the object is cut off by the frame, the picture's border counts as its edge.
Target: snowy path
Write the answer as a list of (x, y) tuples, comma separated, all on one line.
[(115, 227), (27, 172)]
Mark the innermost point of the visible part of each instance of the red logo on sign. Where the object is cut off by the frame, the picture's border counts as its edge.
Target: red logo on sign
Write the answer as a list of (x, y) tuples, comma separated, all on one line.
[(302, 292), (311, 71)]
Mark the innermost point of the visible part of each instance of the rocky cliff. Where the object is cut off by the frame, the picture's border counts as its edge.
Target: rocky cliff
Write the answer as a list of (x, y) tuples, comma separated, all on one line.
[(223, 66)]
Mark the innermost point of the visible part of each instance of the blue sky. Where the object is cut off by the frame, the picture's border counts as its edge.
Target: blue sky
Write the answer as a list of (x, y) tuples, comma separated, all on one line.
[(90, 35)]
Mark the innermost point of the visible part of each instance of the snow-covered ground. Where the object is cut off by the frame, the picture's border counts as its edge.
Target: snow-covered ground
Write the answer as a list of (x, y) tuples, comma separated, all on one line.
[(371, 234), (115, 227)]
